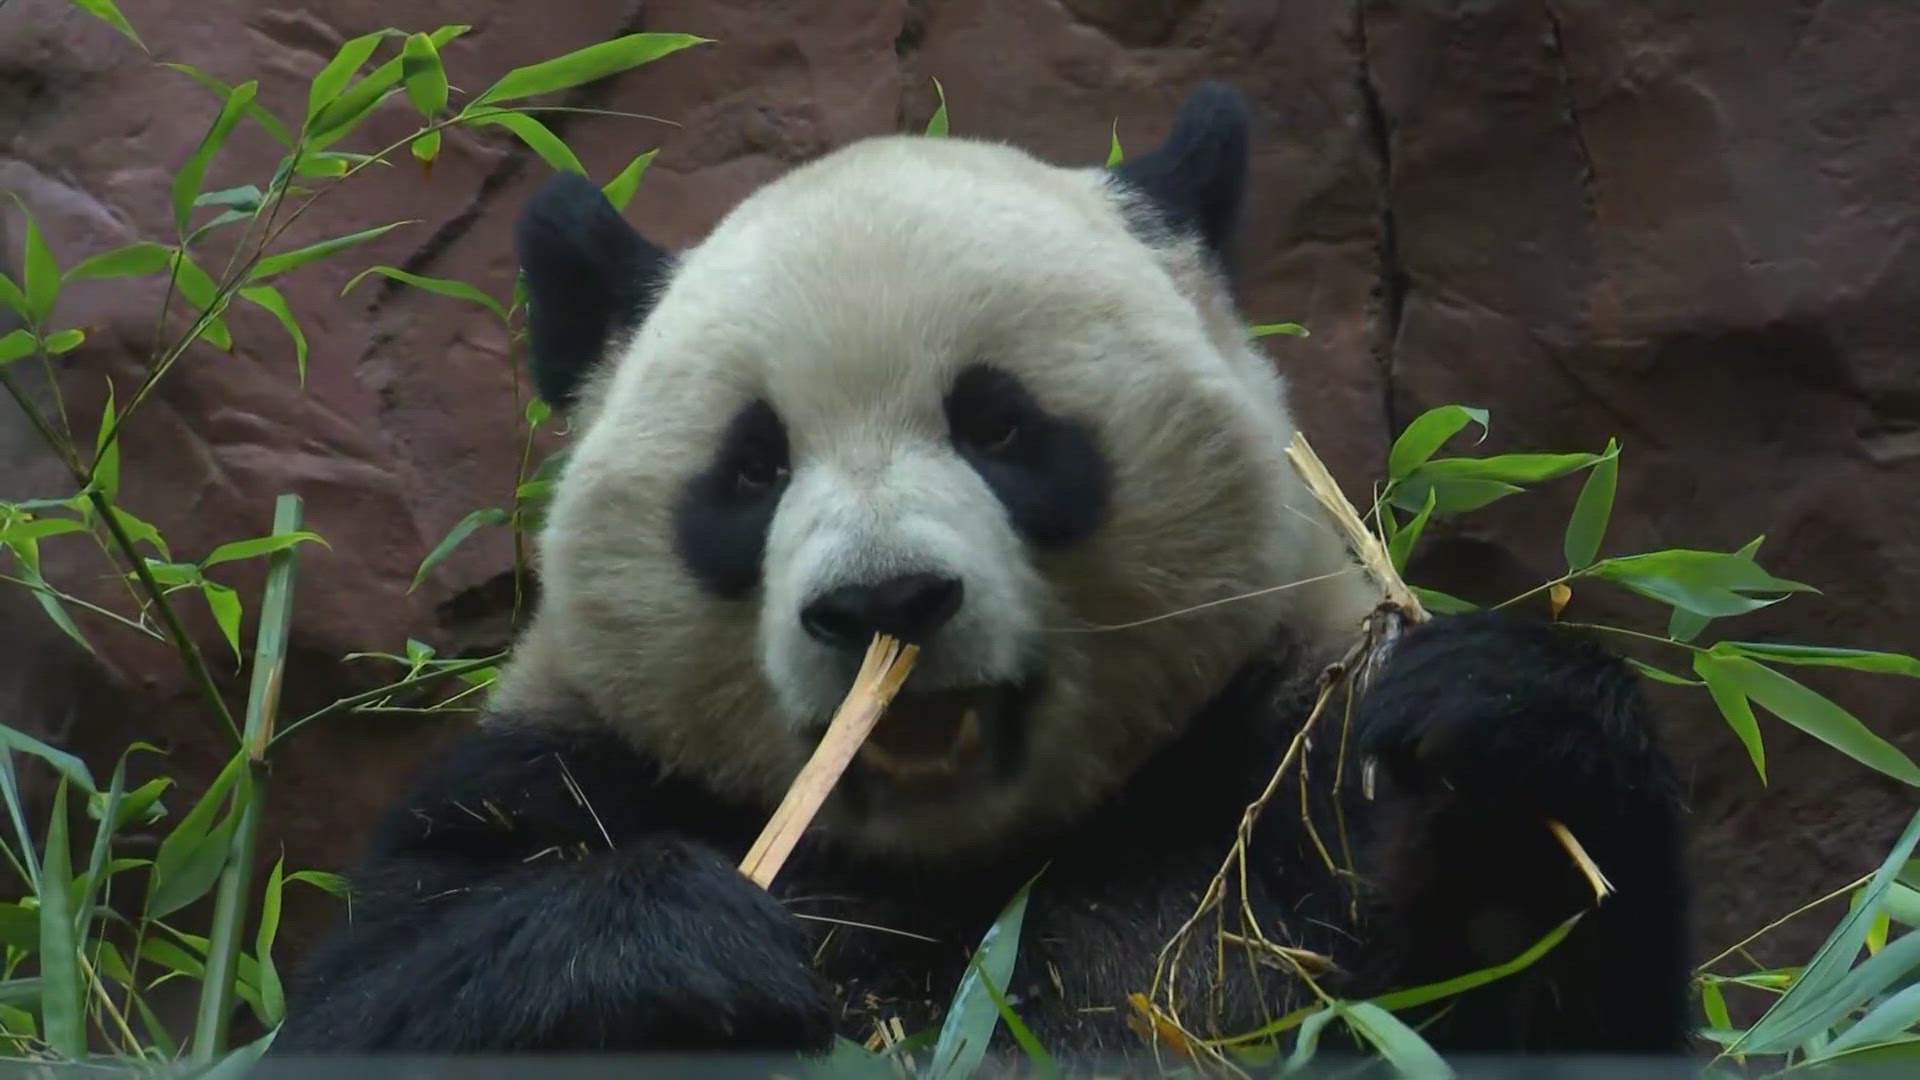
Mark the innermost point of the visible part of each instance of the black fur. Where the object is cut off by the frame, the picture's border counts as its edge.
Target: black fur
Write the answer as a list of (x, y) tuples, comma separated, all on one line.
[(721, 520), (590, 277), (554, 890), (1047, 470), (1197, 179)]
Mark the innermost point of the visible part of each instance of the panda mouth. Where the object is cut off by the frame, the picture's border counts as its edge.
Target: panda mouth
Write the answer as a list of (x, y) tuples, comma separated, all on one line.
[(934, 734)]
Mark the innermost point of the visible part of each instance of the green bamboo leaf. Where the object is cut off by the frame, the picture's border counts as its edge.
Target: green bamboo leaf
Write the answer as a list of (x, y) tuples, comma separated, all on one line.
[(458, 290), (20, 923), (1023, 1036), (42, 274), (1658, 675), (1886, 1024), (1399, 1044), (937, 124), (1878, 663), (1440, 603), (106, 12), (1508, 468), (426, 148), (62, 342), (537, 136), (50, 603), (135, 260), (1813, 990), (221, 90), (11, 296), (269, 298), (1114, 157), (1724, 687), (106, 455), (326, 86), (191, 856), (1449, 496), (263, 545), (1815, 715), (246, 197), (60, 990), (337, 118), (98, 867), (1714, 1004), (72, 768), (275, 265), (142, 804), (140, 531), (1797, 1020), (200, 289), (457, 535), (1287, 329), (586, 65), (186, 182), (425, 78), (16, 345), (619, 190), (238, 1065), (1428, 432), (224, 603), (1708, 583), (1684, 625), (38, 529), (1402, 543), (971, 1017), (333, 884), (273, 1000)]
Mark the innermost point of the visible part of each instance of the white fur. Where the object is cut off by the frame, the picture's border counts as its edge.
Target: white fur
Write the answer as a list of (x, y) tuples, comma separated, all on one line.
[(848, 294)]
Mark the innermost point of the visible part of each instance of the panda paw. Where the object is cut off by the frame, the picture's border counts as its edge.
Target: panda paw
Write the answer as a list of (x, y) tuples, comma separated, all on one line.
[(1512, 715)]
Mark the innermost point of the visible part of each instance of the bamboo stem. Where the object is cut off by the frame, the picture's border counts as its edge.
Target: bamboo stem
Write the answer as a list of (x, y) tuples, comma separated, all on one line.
[(263, 702)]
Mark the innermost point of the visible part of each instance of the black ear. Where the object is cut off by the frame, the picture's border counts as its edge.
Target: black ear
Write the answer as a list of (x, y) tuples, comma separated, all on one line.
[(589, 277), (1197, 178)]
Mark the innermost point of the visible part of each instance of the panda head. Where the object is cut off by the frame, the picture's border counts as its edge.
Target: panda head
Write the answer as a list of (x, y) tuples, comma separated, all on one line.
[(934, 388)]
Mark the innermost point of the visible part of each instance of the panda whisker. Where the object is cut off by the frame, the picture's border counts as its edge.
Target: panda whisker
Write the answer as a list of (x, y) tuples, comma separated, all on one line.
[(1254, 595), (866, 926)]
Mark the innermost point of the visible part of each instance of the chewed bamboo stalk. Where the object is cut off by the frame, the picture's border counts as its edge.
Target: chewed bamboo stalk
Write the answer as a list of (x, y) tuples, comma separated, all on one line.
[(886, 667)]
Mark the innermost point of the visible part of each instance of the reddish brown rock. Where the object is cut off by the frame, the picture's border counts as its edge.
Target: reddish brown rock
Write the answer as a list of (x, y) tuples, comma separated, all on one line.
[(1690, 228)]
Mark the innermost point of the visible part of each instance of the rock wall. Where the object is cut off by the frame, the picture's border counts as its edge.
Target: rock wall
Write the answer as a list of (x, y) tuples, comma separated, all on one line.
[(1691, 226)]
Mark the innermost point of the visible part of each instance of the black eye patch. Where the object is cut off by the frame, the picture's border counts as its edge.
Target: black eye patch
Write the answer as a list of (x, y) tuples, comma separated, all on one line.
[(721, 519), (1046, 470)]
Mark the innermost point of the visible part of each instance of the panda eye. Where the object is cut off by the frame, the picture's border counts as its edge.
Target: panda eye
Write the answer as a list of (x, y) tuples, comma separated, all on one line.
[(992, 434), (759, 474)]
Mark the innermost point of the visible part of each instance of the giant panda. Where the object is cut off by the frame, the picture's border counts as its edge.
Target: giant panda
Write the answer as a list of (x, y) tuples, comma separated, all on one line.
[(1009, 412)]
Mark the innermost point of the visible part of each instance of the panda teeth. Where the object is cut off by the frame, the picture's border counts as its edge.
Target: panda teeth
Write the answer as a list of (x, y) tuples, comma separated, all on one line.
[(945, 765), (969, 735)]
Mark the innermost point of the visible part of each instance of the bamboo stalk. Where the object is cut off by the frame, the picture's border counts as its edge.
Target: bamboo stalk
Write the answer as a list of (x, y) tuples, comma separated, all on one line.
[(263, 702), (881, 675)]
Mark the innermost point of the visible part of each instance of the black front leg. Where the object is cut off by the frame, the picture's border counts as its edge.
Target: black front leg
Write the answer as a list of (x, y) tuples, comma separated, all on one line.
[(659, 945), (1484, 729)]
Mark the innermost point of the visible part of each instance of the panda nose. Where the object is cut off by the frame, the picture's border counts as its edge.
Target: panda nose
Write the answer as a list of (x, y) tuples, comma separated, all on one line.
[(909, 607)]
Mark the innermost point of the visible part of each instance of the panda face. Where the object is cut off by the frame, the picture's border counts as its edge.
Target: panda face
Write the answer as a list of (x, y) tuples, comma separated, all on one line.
[(931, 388)]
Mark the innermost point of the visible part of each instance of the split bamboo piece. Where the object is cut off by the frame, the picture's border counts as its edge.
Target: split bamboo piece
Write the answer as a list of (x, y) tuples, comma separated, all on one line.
[(886, 667)]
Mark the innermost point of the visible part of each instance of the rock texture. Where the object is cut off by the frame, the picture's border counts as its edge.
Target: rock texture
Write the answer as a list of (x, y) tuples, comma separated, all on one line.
[(1690, 226)]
